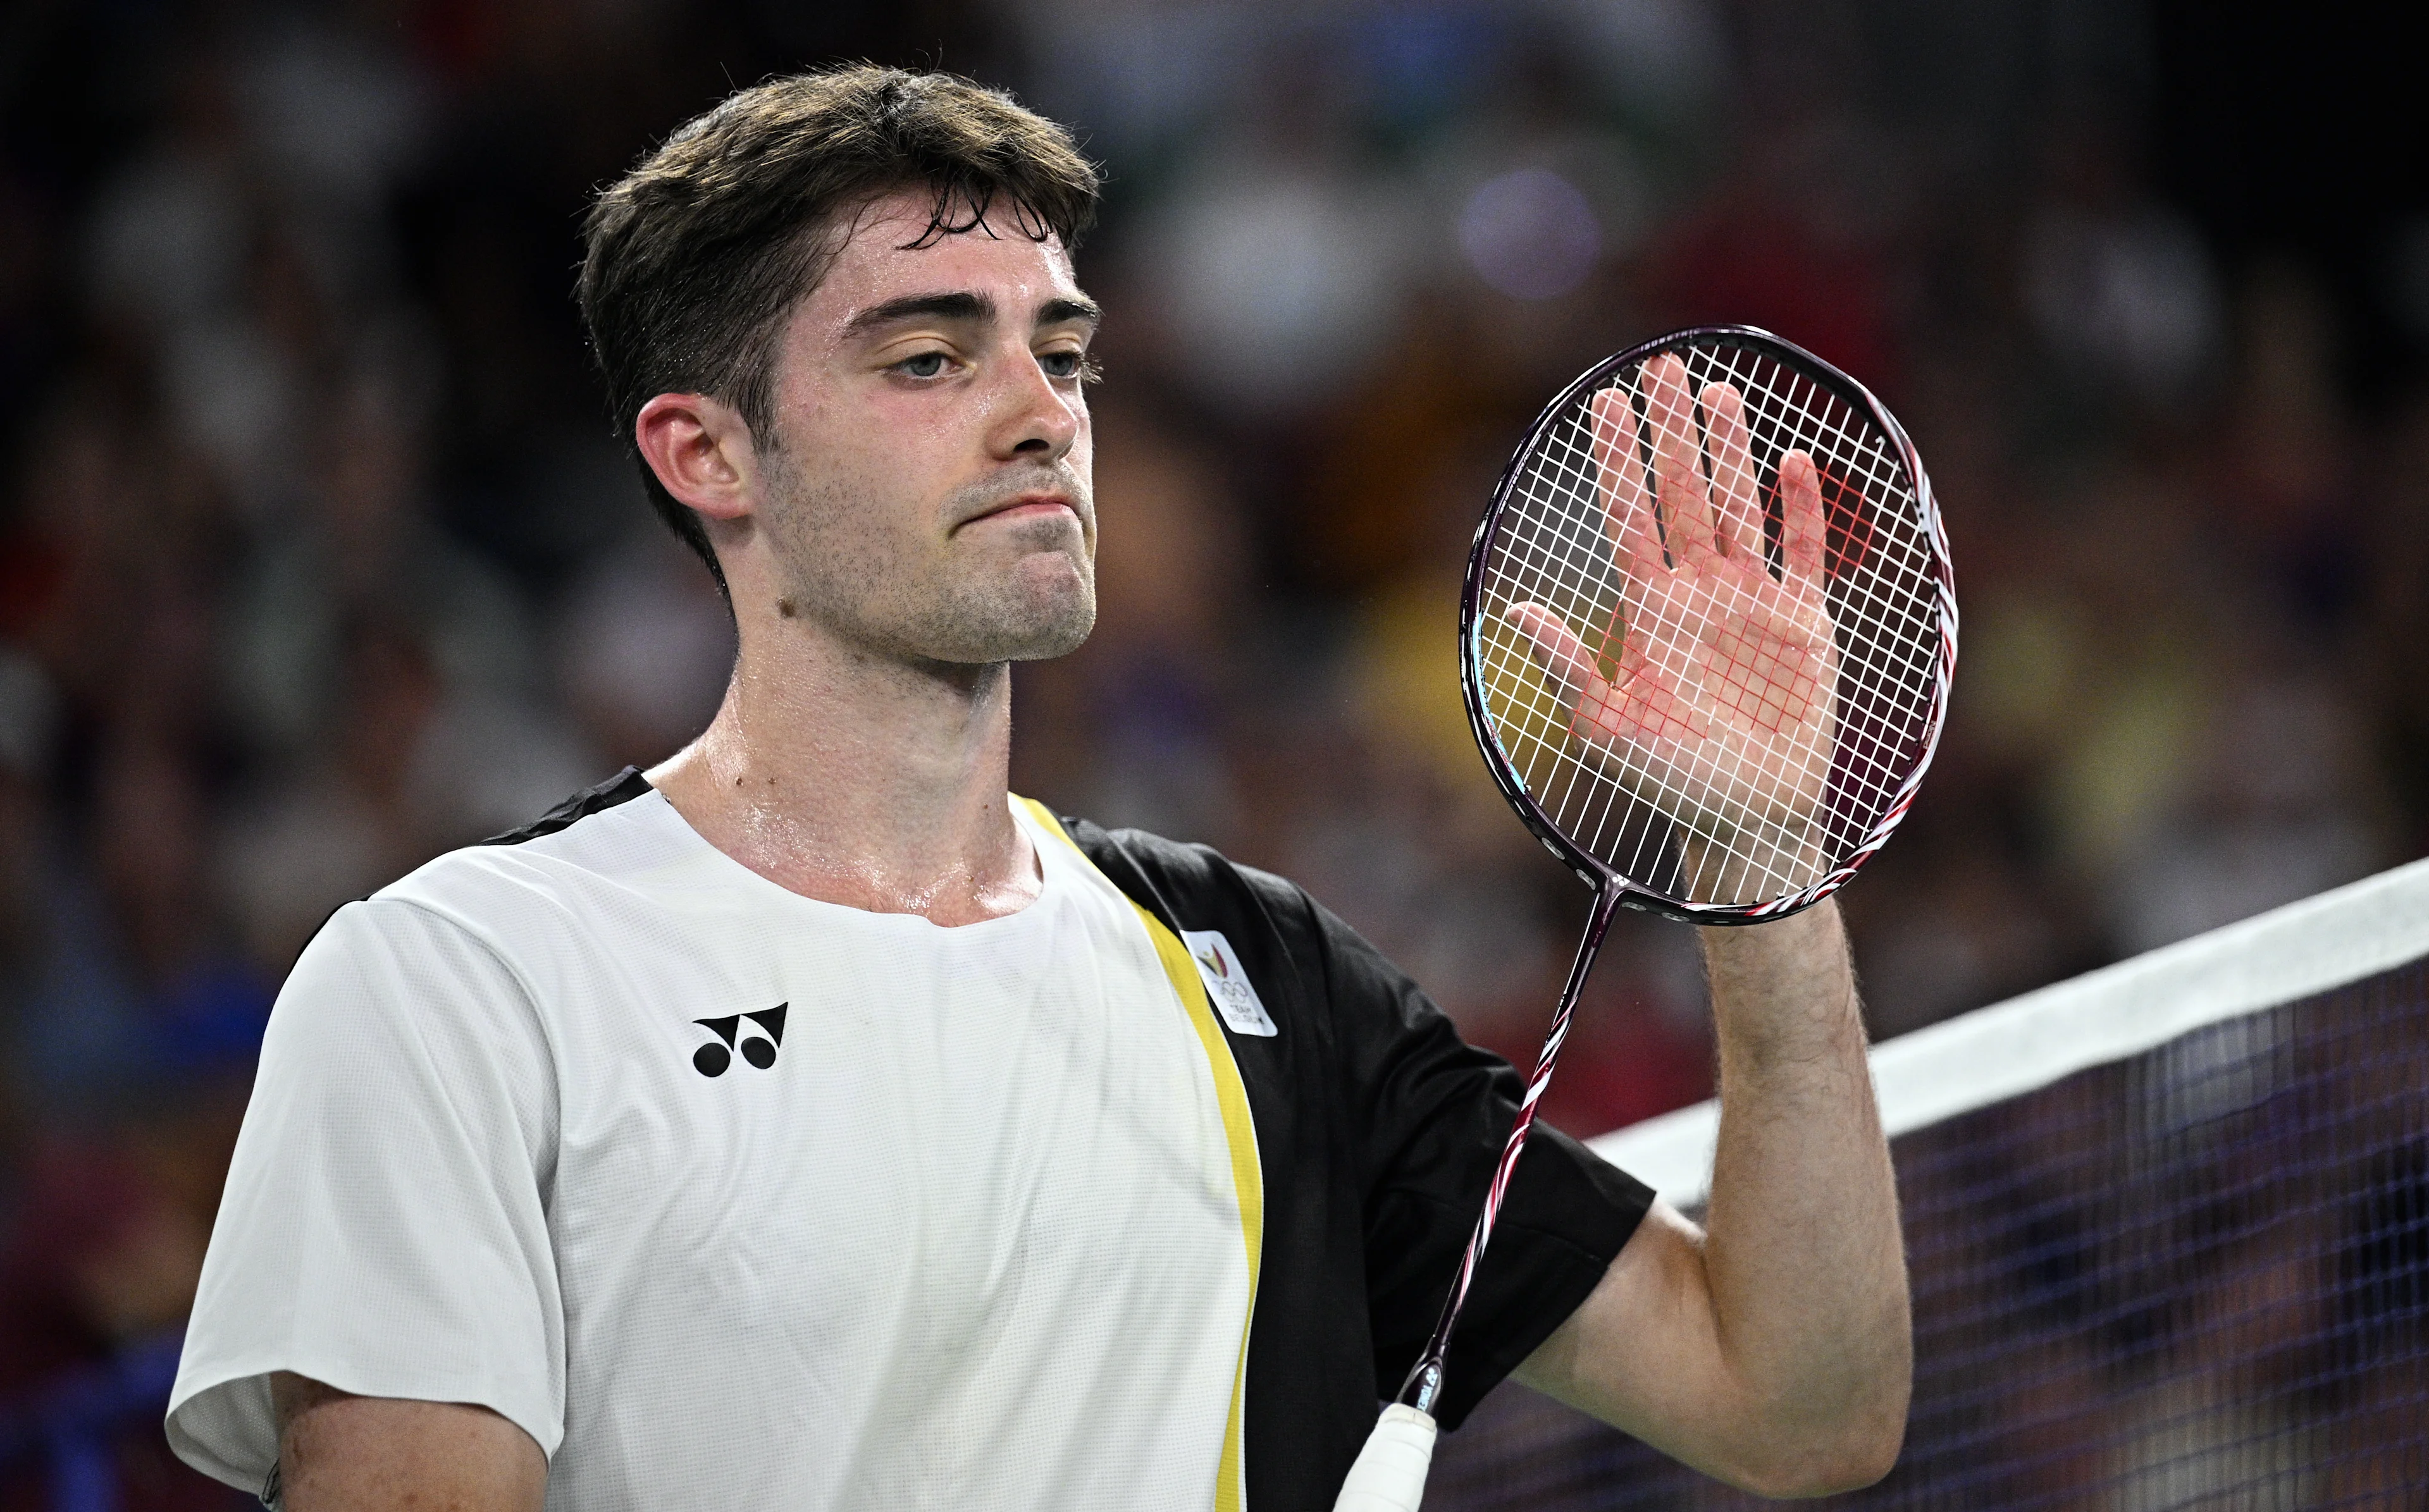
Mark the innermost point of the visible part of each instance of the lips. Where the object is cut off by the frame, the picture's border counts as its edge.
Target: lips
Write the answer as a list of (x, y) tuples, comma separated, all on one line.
[(1025, 505)]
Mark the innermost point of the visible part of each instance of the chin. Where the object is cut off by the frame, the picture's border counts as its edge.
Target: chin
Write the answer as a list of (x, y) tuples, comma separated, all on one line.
[(1033, 627), (1046, 615), (1052, 628), (1038, 609), (1059, 640)]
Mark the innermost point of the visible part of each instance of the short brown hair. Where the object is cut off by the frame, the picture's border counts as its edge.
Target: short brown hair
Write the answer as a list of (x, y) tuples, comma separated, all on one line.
[(694, 258)]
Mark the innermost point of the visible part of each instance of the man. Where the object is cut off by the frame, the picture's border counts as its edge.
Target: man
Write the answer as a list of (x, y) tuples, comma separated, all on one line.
[(810, 1124)]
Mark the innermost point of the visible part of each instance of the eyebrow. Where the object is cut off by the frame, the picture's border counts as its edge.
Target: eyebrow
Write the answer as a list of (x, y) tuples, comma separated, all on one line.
[(1056, 311), (964, 306)]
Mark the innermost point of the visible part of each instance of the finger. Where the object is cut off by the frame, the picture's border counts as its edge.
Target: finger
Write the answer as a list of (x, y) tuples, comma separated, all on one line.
[(1593, 706), (1677, 467), (1733, 493), (1803, 535), (1557, 650), (1626, 504)]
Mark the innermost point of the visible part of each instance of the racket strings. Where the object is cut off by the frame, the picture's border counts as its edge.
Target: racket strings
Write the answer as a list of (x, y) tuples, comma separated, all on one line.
[(1630, 800), (1702, 783)]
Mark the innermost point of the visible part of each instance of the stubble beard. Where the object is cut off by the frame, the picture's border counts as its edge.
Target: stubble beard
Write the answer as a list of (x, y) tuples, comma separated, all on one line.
[(1028, 595)]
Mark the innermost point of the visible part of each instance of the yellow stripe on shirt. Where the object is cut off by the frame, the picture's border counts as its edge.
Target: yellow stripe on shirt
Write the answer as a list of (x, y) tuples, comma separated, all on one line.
[(1248, 1175)]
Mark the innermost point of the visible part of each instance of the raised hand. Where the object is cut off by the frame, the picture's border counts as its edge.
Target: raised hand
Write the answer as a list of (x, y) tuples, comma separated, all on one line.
[(1719, 711)]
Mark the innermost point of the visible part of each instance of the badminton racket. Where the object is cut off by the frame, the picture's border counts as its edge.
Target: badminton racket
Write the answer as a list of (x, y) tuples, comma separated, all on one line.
[(1706, 642)]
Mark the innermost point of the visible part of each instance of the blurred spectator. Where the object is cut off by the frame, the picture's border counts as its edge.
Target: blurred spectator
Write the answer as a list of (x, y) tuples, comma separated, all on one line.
[(357, 539), (2289, 468), (643, 647), (1273, 259), (1797, 237), (2282, 804), (2120, 287), (131, 970)]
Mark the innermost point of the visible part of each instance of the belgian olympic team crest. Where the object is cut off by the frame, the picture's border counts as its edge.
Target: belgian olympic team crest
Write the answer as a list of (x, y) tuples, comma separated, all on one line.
[(1227, 987)]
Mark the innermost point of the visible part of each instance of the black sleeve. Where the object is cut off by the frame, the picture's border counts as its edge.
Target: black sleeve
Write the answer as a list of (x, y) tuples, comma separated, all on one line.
[(1433, 1112)]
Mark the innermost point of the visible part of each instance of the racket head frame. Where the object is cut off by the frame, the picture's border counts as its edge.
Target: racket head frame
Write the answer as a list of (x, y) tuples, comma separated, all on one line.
[(1591, 869)]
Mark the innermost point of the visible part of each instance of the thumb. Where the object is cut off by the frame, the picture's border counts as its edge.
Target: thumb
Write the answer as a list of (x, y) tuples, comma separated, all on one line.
[(1556, 648)]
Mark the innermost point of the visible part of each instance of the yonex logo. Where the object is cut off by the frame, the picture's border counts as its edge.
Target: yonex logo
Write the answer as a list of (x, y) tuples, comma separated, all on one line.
[(712, 1058)]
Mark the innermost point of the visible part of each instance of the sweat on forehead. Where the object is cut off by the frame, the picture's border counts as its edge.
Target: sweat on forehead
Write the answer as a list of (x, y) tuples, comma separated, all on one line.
[(915, 217), (951, 210)]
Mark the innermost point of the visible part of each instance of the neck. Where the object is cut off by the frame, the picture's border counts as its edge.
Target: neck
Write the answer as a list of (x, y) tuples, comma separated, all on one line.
[(859, 779)]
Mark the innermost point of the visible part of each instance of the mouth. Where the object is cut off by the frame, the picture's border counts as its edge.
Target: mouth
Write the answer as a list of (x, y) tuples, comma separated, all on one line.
[(1031, 505)]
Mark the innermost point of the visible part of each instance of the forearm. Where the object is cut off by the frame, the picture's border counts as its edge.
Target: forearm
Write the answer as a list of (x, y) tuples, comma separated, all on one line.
[(1803, 1258)]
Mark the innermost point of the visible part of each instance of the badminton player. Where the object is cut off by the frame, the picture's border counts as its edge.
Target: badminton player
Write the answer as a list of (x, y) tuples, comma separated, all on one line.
[(808, 1123)]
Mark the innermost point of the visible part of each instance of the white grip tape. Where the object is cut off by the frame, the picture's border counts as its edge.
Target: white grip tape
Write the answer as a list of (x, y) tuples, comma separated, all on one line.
[(1389, 1475)]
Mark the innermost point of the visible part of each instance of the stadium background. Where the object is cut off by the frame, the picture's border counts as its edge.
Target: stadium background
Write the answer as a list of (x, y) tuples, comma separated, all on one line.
[(317, 556)]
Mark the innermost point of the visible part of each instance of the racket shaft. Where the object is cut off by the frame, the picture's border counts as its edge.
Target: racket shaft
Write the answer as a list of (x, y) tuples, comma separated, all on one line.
[(1424, 1383)]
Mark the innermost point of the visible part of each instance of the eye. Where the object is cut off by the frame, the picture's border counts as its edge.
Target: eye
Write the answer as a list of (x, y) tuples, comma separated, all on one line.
[(1066, 364), (926, 365)]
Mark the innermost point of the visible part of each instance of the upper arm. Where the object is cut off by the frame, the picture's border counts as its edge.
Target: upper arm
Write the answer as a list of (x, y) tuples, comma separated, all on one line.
[(341, 1452), (384, 1225)]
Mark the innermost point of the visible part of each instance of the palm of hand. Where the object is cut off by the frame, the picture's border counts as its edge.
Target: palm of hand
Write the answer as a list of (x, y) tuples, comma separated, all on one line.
[(1719, 709)]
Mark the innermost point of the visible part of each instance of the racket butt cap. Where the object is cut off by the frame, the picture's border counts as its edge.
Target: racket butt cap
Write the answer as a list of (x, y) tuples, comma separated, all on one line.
[(1390, 1475)]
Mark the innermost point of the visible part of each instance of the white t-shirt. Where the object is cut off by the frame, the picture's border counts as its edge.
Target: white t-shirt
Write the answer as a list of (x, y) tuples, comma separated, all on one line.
[(731, 1198)]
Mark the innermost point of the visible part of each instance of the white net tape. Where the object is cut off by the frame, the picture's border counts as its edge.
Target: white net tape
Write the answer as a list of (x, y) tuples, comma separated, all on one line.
[(1734, 654), (1973, 1061)]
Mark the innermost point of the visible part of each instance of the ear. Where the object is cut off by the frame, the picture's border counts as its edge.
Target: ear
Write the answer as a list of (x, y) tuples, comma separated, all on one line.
[(701, 450)]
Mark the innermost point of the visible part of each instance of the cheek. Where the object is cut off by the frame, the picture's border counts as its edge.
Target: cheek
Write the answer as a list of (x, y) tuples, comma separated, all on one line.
[(862, 464)]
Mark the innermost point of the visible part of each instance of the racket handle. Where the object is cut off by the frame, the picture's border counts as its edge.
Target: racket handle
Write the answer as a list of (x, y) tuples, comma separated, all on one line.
[(1390, 1475)]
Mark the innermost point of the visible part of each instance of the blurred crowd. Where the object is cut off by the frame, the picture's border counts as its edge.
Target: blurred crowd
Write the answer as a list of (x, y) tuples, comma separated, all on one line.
[(318, 557)]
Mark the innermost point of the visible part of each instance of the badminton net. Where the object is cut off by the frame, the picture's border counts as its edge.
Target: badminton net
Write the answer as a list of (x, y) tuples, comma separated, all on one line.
[(2168, 1227)]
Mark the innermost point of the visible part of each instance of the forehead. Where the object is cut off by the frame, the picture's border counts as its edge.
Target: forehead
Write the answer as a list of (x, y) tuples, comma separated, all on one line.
[(889, 250)]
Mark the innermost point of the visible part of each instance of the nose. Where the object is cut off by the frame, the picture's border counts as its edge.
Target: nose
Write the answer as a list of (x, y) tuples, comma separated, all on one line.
[(1033, 420)]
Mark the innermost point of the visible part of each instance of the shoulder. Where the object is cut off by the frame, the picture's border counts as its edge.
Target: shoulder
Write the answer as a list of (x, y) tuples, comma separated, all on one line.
[(622, 788), (506, 896), (602, 834), (1185, 884), (1280, 933), (485, 953), (390, 983)]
